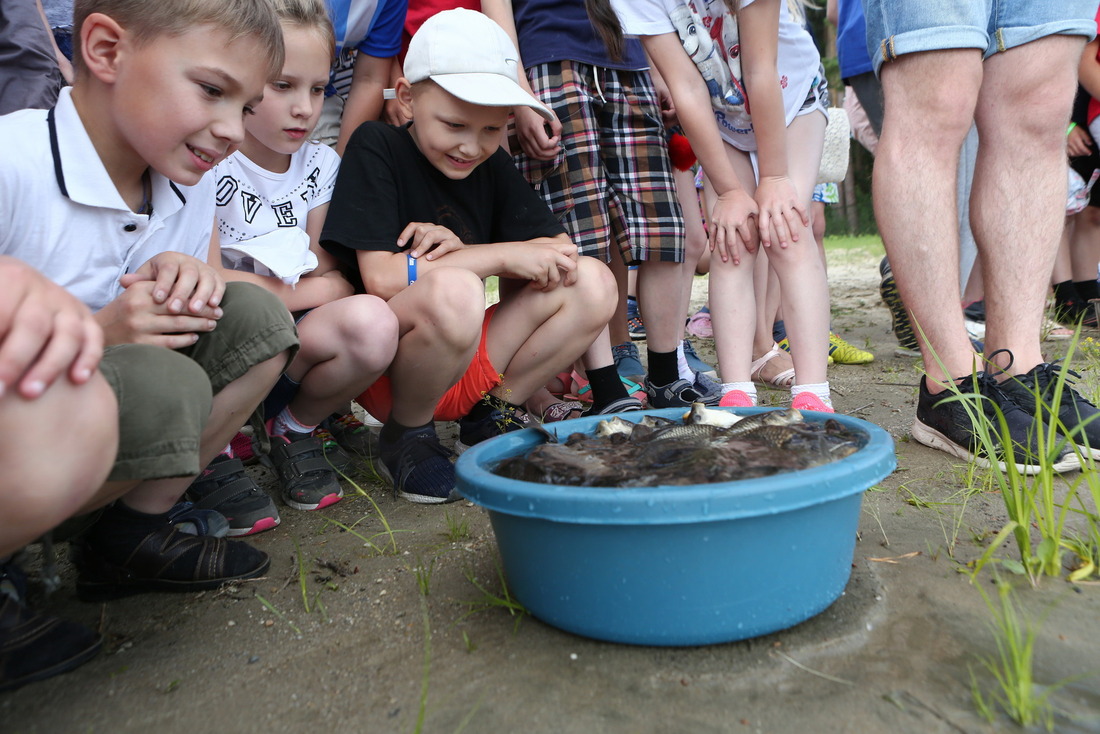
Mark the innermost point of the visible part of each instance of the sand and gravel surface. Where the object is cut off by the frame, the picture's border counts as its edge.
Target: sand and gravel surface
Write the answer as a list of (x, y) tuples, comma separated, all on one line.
[(361, 649)]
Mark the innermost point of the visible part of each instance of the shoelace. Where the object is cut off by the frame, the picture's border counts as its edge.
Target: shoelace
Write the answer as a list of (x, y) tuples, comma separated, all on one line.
[(349, 422)]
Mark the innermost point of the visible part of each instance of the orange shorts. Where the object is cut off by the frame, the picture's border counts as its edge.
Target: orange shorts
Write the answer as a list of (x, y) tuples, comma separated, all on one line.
[(480, 377)]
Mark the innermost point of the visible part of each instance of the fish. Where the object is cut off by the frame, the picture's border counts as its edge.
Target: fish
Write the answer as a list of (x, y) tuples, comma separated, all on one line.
[(613, 426), (785, 417), (704, 416)]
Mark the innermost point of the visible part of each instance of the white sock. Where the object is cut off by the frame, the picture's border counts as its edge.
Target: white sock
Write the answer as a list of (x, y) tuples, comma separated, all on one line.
[(820, 389), (286, 421), (686, 372), (749, 388)]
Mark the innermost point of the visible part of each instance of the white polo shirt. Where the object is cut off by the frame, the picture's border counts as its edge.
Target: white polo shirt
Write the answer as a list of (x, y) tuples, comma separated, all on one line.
[(61, 213)]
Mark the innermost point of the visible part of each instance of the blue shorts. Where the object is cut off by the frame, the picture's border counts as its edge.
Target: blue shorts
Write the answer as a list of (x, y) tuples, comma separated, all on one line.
[(897, 27)]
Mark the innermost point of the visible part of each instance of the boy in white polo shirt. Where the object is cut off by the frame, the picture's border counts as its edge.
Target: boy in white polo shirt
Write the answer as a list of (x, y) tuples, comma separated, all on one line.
[(104, 194)]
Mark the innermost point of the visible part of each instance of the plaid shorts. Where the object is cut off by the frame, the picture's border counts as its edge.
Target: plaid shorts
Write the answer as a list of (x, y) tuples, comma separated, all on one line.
[(612, 179)]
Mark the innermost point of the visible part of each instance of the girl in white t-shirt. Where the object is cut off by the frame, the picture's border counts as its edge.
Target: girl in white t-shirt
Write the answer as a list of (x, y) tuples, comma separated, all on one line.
[(272, 197), (747, 90)]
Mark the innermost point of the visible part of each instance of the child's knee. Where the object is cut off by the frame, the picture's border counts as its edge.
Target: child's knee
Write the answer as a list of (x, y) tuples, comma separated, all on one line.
[(368, 329), (596, 287), (453, 302)]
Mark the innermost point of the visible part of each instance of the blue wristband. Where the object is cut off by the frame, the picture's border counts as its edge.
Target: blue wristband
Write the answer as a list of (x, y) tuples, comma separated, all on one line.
[(412, 268)]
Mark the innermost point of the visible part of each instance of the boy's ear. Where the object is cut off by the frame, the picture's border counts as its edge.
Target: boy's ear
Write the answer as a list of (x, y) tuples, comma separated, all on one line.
[(403, 92), (100, 40)]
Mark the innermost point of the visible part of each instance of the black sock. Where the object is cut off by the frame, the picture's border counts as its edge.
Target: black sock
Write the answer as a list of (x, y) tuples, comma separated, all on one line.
[(663, 368), (1087, 289), (1065, 294), (606, 386), (392, 430), (120, 529)]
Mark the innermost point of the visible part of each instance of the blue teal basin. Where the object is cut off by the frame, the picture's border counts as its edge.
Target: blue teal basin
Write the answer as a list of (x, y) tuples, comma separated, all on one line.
[(665, 565)]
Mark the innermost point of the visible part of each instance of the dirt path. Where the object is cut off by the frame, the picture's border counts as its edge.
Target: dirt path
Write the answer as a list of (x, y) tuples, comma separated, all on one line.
[(894, 654)]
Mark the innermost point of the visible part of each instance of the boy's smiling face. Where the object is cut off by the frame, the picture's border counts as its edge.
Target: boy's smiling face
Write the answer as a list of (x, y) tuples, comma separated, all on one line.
[(181, 99), (455, 136)]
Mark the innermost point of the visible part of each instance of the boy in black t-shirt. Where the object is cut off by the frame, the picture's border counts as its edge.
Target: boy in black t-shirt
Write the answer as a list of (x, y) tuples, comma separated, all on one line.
[(420, 216)]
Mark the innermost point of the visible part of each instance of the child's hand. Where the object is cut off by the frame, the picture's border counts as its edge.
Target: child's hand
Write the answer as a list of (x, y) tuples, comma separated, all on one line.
[(547, 264), (44, 332), (782, 215), (732, 227), (1078, 142), (433, 239), (136, 317), (180, 282), (536, 141)]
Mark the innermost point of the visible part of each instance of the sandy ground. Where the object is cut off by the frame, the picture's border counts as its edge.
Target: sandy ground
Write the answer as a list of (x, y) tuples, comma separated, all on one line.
[(371, 654)]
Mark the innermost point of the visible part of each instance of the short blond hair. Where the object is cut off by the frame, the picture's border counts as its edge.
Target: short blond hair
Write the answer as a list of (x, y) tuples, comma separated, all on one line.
[(148, 19), (309, 14)]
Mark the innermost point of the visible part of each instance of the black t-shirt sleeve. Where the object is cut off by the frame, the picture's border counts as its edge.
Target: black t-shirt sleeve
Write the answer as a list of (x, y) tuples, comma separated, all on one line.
[(364, 213)]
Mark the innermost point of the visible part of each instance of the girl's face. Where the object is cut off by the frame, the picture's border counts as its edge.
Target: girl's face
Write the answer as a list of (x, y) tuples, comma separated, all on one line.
[(292, 102)]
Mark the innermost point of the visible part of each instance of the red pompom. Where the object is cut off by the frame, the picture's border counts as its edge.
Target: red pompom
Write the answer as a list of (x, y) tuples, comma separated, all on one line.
[(680, 152)]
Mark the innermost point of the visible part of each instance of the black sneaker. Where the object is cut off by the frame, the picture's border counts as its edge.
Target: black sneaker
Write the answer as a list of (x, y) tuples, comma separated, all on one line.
[(504, 418), (225, 487), (35, 646), (678, 394), (899, 318), (710, 391), (419, 466), (164, 560), (622, 405), (352, 435), (306, 478), (946, 425), (1078, 416)]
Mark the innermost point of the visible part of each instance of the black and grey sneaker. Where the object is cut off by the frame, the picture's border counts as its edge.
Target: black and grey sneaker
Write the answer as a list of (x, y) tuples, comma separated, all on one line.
[(419, 466), (352, 435), (225, 486), (503, 418), (1080, 419), (35, 645), (622, 405), (710, 391), (946, 425), (899, 317), (678, 394), (628, 362), (306, 477)]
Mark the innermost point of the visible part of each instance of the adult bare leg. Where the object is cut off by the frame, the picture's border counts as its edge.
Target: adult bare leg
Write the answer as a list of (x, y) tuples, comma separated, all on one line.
[(914, 195)]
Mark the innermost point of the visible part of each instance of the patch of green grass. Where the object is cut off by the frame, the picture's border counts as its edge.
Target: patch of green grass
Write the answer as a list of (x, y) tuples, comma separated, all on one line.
[(869, 244), (490, 600), (458, 528)]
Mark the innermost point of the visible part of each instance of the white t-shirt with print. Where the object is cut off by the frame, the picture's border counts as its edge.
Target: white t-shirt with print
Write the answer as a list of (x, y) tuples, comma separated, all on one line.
[(262, 215), (797, 58)]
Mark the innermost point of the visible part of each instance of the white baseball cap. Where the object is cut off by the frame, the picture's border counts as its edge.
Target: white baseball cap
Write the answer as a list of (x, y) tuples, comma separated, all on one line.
[(470, 56)]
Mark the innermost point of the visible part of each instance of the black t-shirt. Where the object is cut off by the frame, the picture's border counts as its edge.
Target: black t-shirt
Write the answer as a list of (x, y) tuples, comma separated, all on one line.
[(385, 182)]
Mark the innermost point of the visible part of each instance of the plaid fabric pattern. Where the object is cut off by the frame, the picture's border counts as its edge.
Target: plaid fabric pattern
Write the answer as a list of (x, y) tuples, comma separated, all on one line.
[(611, 184)]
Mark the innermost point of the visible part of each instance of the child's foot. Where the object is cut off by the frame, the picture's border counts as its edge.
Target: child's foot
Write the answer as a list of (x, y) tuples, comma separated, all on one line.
[(736, 399), (35, 645), (419, 466), (163, 560), (500, 418), (809, 401), (634, 325), (352, 435), (844, 353), (699, 324), (225, 487), (307, 479)]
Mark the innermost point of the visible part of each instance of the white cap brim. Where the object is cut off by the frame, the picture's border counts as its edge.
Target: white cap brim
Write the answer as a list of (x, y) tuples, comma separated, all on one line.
[(491, 90)]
